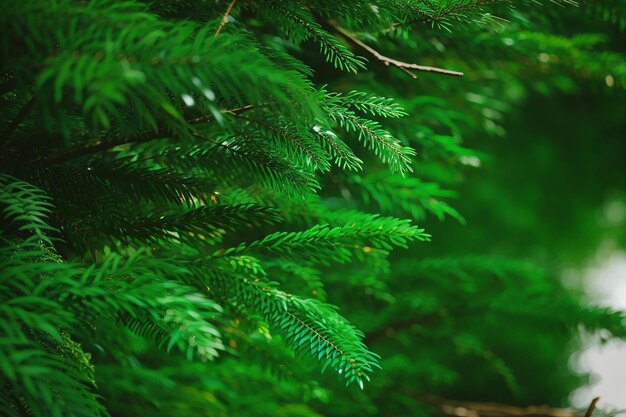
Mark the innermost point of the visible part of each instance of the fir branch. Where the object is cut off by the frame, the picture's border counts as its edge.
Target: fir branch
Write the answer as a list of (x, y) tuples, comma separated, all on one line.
[(324, 244), (372, 104), (344, 156), (227, 159), (373, 136), (398, 195), (103, 145), (311, 328), (26, 205), (302, 25), (311, 156), (452, 10), (99, 146)]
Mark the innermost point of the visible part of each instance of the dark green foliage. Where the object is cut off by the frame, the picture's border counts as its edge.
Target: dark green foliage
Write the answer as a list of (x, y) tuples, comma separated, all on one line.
[(185, 182)]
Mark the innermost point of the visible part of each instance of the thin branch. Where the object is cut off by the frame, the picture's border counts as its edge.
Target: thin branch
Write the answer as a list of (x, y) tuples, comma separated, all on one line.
[(479, 409), (102, 145), (285, 135), (411, 73), (225, 18), (235, 112), (11, 127), (592, 407), (404, 66)]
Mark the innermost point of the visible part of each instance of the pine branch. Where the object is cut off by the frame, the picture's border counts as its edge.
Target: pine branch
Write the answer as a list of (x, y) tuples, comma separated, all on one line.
[(312, 329), (103, 145), (322, 243), (314, 157), (99, 146), (26, 205), (344, 156), (371, 134), (300, 24), (228, 160), (452, 10), (371, 104), (398, 195)]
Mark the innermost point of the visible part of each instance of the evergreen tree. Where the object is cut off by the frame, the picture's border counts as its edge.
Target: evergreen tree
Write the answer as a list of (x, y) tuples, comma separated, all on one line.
[(185, 182)]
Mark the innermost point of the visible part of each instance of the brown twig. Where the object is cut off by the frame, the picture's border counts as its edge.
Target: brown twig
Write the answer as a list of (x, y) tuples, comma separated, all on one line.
[(404, 66), (225, 18), (592, 407), (478, 409)]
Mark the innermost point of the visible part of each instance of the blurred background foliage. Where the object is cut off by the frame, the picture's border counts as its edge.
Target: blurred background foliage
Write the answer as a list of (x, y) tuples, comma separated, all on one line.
[(531, 140)]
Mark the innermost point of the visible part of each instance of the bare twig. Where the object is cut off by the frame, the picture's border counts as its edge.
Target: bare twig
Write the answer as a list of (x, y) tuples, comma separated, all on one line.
[(592, 407), (404, 66), (478, 409), (225, 18)]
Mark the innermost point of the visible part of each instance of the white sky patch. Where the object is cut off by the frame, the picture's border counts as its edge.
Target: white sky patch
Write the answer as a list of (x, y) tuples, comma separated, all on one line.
[(606, 285)]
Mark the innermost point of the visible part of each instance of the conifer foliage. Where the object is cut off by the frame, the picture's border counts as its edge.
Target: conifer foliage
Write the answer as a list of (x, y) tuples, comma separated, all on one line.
[(167, 171)]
